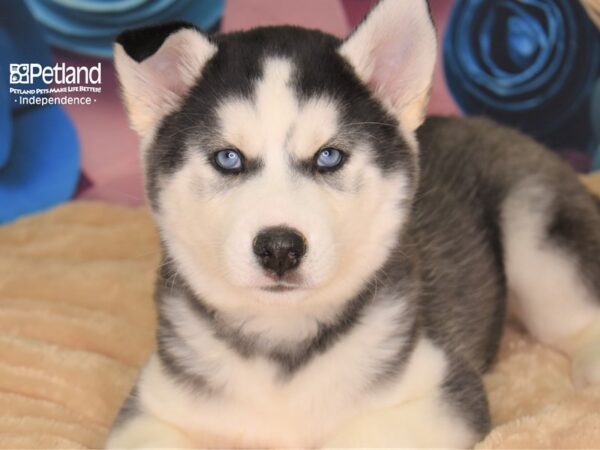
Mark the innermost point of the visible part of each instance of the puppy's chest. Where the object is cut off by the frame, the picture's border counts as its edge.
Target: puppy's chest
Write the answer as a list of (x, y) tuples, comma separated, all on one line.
[(264, 404), (270, 404), (254, 409), (254, 405)]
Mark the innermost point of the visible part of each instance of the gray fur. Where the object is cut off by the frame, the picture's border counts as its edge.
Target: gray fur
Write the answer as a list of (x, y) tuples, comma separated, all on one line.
[(129, 409), (468, 170), (289, 360), (464, 391)]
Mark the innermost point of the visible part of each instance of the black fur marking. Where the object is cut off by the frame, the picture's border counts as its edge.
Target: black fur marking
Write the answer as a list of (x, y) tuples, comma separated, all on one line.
[(129, 409), (402, 271), (464, 391), (290, 360), (575, 228), (491, 218), (391, 368), (141, 43), (168, 339), (327, 336)]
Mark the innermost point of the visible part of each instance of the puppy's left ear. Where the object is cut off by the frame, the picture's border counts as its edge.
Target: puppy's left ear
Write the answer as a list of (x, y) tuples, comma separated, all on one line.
[(157, 67), (393, 51)]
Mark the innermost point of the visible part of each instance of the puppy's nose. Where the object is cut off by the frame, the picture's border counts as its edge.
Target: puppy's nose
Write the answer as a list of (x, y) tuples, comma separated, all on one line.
[(279, 249)]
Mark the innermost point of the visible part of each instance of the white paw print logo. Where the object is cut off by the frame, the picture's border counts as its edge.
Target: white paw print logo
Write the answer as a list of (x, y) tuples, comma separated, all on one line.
[(19, 74)]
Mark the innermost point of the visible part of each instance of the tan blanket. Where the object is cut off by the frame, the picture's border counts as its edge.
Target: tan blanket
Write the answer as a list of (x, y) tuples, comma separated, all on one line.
[(76, 322)]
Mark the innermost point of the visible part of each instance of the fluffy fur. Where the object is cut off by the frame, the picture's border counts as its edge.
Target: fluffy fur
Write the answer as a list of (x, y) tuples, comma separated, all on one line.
[(380, 335)]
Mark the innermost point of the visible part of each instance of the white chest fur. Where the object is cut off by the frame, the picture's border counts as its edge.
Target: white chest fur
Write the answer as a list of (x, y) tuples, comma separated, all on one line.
[(252, 405)]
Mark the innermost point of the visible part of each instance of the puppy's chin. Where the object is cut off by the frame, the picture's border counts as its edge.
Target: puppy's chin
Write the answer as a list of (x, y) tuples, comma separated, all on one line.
[(293, 286), (281, 295), (291, 289)]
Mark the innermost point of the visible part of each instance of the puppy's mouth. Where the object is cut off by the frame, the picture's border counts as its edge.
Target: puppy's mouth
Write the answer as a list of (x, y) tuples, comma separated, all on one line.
[(289, 282), (280, 288)]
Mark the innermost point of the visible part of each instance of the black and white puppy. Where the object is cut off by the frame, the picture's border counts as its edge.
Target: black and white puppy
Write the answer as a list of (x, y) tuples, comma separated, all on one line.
[(336, 271)]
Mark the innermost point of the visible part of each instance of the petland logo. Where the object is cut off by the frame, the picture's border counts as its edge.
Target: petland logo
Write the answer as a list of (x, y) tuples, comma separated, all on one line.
[(36, 84), (57, 74)]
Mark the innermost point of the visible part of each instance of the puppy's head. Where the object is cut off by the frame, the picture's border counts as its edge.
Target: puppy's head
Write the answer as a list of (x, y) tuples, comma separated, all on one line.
[(280, 162)]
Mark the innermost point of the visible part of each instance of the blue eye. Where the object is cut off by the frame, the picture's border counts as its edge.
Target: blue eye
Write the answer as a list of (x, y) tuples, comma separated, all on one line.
[(329, 158), (229, 160)]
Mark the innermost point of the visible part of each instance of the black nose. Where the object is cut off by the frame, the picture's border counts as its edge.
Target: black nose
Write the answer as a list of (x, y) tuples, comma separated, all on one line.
[(279, 249)]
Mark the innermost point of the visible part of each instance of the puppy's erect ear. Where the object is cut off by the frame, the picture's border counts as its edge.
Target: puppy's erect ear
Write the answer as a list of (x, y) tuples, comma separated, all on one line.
[(394, 51), (157, 66)]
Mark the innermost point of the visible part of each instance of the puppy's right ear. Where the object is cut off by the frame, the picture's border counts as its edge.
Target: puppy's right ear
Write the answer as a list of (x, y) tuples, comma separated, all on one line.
[(393, 51), (157, 66)]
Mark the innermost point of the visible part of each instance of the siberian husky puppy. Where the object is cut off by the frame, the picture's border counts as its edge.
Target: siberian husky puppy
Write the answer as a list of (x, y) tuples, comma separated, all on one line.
[(336, 269)]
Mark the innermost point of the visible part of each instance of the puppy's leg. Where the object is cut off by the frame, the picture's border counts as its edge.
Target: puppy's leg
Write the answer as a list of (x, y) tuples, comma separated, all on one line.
[(552, 259), (450, 413)]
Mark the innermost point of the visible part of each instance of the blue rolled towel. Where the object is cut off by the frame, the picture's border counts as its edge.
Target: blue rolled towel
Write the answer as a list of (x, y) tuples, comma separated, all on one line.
[(90, 26), (528, 63), (39, 149)]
